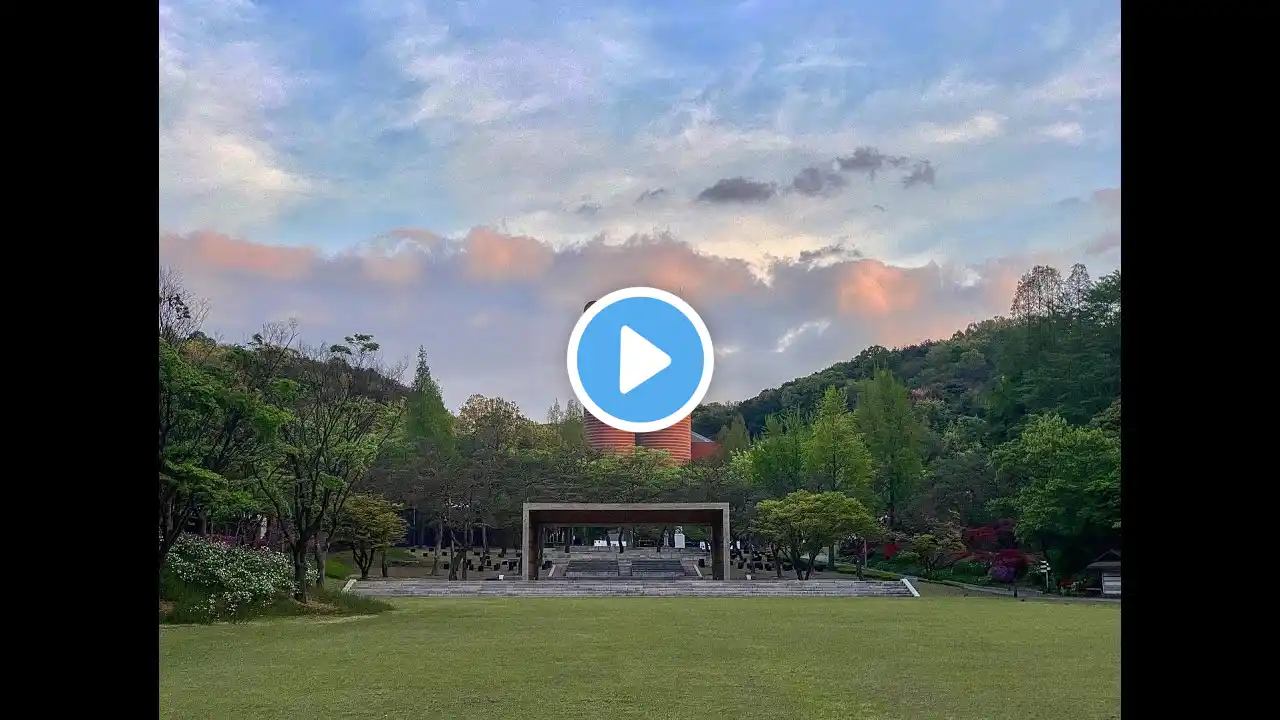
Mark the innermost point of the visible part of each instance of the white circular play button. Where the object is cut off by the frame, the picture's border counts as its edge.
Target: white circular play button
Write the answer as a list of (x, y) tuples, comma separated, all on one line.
[(640, 359)]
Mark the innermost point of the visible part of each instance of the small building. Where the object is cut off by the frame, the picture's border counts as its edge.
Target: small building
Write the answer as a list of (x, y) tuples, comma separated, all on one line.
[(1108, 566)]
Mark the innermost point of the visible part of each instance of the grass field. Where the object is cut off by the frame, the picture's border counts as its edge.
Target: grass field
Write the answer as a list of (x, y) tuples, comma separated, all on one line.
[(693, 658)]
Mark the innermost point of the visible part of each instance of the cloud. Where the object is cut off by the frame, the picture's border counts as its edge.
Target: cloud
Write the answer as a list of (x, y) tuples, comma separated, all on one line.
[(818, 172), (922, 173), (982, 126), (218, 157), (495, 310), (738, 190), (1068, 132), (1109, 200)]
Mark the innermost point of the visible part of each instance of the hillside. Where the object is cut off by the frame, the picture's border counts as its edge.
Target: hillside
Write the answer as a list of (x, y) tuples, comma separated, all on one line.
[(1059, 352)]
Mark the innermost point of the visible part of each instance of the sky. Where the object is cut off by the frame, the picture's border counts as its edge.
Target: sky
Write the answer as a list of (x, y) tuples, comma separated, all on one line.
[(813, 177)]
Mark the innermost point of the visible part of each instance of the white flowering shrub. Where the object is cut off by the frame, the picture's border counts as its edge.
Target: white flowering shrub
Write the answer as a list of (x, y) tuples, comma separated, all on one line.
[(236, 578)]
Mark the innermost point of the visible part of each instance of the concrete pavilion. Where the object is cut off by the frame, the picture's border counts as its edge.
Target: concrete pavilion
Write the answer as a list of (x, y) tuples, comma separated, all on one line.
[(538, 516)]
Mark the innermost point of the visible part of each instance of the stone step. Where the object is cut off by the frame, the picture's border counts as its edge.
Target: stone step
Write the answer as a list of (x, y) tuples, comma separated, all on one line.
[(623, 588)]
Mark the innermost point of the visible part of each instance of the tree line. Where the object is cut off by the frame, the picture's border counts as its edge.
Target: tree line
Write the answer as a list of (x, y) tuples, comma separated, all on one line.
[(1012, 418)]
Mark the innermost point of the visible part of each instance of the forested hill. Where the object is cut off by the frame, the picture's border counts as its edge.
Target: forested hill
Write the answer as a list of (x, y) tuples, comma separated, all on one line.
[(1059, 351)]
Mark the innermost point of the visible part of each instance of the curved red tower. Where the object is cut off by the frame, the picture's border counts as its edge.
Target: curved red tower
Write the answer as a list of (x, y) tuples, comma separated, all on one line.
[(601, 437), (604, 439), (677, 440)]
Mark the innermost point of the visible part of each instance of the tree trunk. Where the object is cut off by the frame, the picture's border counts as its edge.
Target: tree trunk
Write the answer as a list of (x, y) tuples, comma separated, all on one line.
[(439, 545), (386, 569), (202, 523), (453, 555), (831, 557), (808, 566), (300, 571), (320, 553), (777, 559), (795, 563)]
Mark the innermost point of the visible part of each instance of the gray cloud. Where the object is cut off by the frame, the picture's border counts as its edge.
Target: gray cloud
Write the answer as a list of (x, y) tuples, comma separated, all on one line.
[(495, 311), (817, 181), (821, 180), (870, 161), (738, 189), (830, 252), (922, 173), (649, 195)]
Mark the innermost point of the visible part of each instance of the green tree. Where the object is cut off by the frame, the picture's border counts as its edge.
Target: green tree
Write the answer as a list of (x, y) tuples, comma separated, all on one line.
[(370, 523), (424, 446), (643, 475), (734, 437), (939, 547), (338, 428), (960, 479), (778, 457), (835, 456), (215, 428), (492, 431), (1068, 486), (893, 435), (800, 524)]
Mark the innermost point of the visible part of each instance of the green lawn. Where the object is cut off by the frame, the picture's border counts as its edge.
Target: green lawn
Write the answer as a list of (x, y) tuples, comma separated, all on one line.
[(690, 658)]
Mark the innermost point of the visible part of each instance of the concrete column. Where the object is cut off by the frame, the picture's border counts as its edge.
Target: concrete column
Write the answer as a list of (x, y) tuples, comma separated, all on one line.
[(524, 545), (719, 563), (725, 539), (529, 549), (568, 538)]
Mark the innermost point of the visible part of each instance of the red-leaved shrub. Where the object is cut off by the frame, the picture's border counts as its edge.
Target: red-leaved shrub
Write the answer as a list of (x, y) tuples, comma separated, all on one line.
[(1012, 558)]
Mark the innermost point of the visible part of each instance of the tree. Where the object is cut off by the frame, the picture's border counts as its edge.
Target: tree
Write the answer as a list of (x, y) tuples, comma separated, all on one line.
[(371, 523), (643, 475), (491, 430), (343, 412), (1068, 486), (778, 457), (181, 314), (424, 446), (215, 427), (800, 524), (939, 547), (734, 437), (893, 434), (835, 456), (960, 479)]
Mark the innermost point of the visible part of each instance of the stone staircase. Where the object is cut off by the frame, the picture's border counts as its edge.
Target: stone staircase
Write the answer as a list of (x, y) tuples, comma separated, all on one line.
[(670, 568), (594, 568), (635, 588)]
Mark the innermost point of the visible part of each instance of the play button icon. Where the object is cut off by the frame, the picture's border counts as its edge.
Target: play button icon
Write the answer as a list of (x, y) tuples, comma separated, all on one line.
[(640, 359)]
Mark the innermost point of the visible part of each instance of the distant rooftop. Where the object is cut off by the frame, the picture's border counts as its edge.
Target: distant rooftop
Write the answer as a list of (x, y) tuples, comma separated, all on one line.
[(700, 438)]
